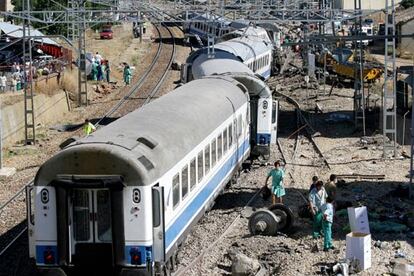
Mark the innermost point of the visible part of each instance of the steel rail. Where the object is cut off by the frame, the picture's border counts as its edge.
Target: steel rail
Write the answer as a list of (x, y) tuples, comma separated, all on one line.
[(164, 75), (13, 241), (138, 84), (15, 195), (308, 128)]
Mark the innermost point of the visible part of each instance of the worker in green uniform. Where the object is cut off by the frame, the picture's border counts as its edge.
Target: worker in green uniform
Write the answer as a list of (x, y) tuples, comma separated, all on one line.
[(127, 74), (88, 127), (278, 190), (328, 212), (94, 71), (317, 198)]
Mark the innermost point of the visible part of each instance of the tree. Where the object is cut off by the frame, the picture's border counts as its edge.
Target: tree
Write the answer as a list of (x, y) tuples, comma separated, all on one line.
[(407, 3)]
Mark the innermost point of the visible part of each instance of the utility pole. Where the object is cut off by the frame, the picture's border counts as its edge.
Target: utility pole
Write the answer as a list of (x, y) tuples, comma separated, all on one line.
[(29, 116), (82, 76)]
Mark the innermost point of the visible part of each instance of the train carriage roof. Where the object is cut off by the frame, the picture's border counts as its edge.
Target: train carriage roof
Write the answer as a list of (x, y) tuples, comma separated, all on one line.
[(207, 67), (148, 142)]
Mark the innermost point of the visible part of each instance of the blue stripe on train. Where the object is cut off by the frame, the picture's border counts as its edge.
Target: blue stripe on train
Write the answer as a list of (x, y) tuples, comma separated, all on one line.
[(199, 201)]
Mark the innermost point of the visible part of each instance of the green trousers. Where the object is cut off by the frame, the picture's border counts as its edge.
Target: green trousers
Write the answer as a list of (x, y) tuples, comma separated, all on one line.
[(327, 232), (317, 224)]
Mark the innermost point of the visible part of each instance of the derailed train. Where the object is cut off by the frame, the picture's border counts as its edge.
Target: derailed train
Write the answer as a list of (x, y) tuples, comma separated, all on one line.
[(120, 201)]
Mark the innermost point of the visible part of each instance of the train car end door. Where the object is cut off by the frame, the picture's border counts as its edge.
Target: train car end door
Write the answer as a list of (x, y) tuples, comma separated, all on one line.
[(158, 225), (275, 118)]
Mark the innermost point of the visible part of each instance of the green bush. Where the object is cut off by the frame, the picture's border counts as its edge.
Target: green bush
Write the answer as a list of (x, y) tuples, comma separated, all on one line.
[(407, 3)]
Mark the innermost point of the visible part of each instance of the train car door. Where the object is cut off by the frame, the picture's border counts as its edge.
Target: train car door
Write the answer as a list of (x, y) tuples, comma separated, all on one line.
[(30, 200), (158, 224), (90, 226), (275, 118)]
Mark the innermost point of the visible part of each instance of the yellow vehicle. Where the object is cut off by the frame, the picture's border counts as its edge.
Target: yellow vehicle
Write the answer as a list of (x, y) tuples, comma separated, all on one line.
[(341, 62)]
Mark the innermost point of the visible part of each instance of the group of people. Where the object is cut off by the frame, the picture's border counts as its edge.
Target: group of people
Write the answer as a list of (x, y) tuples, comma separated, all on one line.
[(20, 76), (321, 202), (100, 68)]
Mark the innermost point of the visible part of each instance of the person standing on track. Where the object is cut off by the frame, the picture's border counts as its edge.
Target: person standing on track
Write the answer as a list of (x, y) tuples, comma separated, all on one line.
[(317, 198), (278, 190), (328, 213), (127, 74), (88, 127), (107, 71)]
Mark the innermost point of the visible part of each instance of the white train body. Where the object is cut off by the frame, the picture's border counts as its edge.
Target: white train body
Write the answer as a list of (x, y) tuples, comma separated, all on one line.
[(252, 47), (121, 200)]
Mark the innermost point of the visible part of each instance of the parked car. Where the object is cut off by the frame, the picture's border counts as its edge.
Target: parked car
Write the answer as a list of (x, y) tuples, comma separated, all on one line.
[(106, 33)]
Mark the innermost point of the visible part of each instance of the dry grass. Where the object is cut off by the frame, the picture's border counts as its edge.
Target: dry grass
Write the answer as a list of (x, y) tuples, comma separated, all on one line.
[(69, 81), (46, 86)]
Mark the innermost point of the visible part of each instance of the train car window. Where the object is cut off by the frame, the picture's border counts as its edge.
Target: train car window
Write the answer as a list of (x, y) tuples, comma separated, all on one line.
[(274, 112), (104, 221), (176, 190), (193, 178), (184, 181), (248, 115), (81, 225), (207, 159), (239, 126), (200, 166), (213, 153), (219, 147), (225, 141), (230, 128)]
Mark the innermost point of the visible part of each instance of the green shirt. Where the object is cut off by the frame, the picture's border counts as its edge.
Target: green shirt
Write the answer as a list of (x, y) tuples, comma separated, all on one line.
[(277, 177)]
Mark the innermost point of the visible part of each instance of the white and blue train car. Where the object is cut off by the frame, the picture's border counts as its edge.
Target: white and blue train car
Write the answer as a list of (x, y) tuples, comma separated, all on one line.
[(254, 51), (263, 108), (120, 201), (205, 25)]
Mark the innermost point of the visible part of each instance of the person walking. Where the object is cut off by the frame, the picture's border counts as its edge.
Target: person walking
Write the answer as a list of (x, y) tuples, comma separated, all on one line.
[(314, 180), (330, 187), (100, 72), (94, 71), (127, 74), (3, 83), (107, 71), (13, 84), (317, 198), (328, 212), (88, 127), (278, 190)]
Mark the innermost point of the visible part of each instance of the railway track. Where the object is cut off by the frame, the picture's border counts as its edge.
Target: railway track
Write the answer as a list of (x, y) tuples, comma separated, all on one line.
[(151, 81), (149, 84)]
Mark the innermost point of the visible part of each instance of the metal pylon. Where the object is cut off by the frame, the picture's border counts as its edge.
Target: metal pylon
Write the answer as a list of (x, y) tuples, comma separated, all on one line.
[(390, 95), (359, 93), (411, 187), (73, 30), (29, 117), (82, 77)]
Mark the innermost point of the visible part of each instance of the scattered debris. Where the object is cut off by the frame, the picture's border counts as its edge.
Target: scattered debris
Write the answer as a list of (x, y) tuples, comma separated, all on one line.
[(242, 265)]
